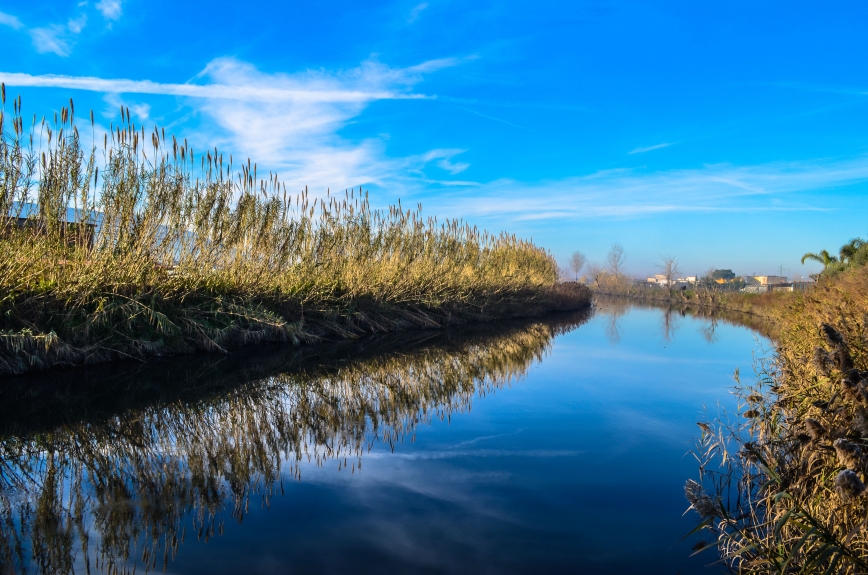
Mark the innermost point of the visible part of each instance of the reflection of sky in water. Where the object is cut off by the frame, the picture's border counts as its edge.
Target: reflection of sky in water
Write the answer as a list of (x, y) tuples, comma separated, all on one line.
[(579, 467)]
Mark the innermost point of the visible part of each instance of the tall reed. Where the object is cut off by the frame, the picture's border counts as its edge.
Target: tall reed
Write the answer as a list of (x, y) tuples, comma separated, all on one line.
[(784, 479), (140, 246)]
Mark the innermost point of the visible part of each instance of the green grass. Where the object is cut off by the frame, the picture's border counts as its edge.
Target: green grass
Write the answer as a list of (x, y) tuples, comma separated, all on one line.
[(173, 251)]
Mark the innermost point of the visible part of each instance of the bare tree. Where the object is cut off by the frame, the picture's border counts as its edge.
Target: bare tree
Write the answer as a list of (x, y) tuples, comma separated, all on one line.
[(615, 259), (708, 280), (577, 262), (668, 267), (594, 271)]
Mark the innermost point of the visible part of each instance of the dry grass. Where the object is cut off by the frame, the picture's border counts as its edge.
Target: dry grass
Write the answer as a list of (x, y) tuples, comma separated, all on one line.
[(791, 495), (171, 251)]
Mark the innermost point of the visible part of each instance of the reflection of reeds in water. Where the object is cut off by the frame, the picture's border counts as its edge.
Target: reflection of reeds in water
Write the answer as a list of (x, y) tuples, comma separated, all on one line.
[(128, 486)]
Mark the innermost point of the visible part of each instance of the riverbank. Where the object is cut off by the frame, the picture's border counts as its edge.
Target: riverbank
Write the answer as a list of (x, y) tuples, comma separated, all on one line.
[(155, 250), (767, 306), (793, 497), (615, 306), (150, 324)]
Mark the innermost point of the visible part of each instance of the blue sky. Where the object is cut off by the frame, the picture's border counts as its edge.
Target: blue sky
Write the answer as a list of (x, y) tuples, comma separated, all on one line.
[(727, 134)]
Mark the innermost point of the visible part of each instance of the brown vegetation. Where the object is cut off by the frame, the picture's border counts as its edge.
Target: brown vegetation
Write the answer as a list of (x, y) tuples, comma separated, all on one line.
[(791, 494), (179, 252)]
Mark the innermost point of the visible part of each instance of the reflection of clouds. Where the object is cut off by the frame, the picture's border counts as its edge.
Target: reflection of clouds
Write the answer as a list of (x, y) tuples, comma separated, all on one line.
[(643, 425), (485, 438), (533, 453), (464, 512)]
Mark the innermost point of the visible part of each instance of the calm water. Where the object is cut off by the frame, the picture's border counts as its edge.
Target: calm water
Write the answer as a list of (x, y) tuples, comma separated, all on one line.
[(556, 446)]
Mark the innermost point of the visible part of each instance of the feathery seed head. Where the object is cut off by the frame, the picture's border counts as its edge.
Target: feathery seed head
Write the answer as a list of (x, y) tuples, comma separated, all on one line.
[(849, 454), (848, 486)]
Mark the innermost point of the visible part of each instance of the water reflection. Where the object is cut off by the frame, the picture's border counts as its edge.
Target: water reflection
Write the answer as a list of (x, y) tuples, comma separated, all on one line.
[(614, 308), (113, 469)]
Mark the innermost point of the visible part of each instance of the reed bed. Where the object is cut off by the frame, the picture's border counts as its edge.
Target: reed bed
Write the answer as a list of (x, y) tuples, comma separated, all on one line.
[(782, 482), (139, 246)]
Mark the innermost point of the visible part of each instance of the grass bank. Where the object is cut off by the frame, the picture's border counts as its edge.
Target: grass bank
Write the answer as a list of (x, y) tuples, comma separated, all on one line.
[(138, 247), (782, 482), (767, 305)]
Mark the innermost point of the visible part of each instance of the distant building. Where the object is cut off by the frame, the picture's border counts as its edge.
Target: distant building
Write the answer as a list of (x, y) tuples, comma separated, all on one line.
[(659, 279), (770, 280), (764, 280)]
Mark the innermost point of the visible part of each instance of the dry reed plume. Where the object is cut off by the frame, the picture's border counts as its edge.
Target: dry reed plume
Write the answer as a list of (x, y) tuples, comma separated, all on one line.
[(791, 495), (138, 246)]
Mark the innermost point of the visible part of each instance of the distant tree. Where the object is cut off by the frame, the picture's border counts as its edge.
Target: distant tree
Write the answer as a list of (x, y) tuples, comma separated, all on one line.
[(577, 262), (860, 257), (594, 271), (721, 280), (615, 259), (849, 250), (668, 267), (705, 280), (823, 257), (851, 255)]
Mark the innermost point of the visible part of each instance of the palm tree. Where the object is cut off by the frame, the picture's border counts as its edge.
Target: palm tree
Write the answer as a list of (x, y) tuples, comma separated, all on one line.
[(849, 249), (824, 257)]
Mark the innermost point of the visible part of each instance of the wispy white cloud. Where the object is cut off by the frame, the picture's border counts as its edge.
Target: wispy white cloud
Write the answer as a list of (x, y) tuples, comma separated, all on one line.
[(288, 122), (140, 110), (416, 11), (10, 20), (501, 120), (360, 87), (52, 39), (110, 9), (631, 194), (453, 168), (442, 158), (76, 25), (650, 148), (58, 38), (297, 130)]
